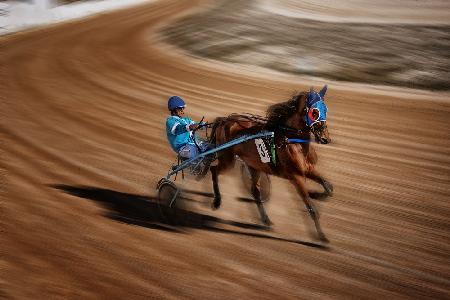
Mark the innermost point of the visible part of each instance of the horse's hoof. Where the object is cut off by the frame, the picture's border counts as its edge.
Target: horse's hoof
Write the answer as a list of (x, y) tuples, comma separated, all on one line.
[(216, 203), (267, 222), (318, 196), (324, 239), (328, 188), (313, 213)]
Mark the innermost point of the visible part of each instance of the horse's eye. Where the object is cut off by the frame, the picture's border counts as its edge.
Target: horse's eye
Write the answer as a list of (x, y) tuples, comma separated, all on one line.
[(314, 114)]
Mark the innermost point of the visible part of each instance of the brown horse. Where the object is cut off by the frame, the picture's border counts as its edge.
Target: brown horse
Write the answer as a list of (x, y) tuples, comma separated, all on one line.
[(292, 121)]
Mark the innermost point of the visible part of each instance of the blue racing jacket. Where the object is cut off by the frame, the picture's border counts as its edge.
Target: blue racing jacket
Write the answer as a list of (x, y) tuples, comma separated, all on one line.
[(178, 132)]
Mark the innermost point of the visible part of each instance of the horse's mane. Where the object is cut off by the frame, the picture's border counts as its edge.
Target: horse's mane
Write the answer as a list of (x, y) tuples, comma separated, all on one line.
[(278, 113)]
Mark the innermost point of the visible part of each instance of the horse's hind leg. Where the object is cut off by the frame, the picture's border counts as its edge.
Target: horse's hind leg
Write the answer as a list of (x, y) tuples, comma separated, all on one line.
[(226, 161), (257, 196), (298, 182), (327, 186), (215, 179)]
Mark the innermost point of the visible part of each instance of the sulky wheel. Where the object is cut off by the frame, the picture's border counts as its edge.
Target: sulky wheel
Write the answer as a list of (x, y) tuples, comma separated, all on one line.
[(169, 201), (263, 184)]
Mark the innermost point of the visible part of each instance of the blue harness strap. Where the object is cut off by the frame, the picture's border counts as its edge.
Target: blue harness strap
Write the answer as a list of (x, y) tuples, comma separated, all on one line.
[(297, 141), (242, 139)]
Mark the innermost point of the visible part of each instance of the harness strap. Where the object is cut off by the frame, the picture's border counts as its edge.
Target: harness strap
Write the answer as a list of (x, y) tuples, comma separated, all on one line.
[(273, 150), (297, 141)]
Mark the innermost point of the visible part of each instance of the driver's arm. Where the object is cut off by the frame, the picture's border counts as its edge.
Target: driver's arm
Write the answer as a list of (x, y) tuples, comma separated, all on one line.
[(193, 126)]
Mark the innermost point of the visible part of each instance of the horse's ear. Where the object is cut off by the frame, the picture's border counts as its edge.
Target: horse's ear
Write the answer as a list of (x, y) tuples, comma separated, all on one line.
[(323, 91), (301, 105)]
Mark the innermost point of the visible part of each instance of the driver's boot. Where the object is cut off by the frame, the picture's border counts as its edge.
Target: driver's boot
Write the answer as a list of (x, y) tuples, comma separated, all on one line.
[(206, 163)]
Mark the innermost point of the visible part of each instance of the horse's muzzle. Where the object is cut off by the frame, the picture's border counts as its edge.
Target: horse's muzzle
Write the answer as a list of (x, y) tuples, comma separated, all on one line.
[(320, 132), (323, 141)]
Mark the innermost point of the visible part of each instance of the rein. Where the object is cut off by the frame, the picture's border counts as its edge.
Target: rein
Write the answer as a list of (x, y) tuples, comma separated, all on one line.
[(262, 120), (200, 126), (296, 134), (291, 130)]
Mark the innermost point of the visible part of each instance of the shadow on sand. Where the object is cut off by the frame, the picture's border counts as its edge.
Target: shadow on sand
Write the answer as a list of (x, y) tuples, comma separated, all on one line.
[(140, 210)]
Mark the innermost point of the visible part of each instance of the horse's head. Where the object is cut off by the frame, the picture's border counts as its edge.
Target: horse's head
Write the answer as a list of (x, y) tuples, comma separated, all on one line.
[(305, 112), (316, 115)]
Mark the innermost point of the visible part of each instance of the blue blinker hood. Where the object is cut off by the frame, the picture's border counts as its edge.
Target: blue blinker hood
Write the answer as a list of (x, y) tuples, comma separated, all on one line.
[(316, 109)]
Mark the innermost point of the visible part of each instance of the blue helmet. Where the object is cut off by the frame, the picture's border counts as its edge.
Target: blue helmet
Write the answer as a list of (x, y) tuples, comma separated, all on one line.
[(175, 102)]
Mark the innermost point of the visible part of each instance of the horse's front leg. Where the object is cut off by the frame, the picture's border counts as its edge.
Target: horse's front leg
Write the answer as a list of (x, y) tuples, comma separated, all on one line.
[(298, 182), (255, 175), (215, 179), (327, 186)]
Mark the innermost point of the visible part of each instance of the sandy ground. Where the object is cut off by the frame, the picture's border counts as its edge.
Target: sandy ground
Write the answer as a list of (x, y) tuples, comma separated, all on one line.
[(82, 131)]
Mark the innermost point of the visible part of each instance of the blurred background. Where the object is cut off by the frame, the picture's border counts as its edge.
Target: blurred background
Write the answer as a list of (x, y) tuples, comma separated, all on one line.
[(404, 43), (22, 14)]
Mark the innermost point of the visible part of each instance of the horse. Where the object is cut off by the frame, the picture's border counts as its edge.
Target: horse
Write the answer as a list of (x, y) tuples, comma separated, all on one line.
[(292, 123)]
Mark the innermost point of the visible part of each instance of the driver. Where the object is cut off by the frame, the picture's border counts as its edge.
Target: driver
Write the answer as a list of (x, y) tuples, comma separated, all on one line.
[(180, 129)]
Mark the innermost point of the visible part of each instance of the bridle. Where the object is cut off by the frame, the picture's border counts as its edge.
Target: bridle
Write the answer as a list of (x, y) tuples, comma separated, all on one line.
[(316, 111)]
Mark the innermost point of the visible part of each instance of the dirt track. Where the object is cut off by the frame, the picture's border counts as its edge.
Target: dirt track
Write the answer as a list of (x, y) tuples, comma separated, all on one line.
[(83, 147)]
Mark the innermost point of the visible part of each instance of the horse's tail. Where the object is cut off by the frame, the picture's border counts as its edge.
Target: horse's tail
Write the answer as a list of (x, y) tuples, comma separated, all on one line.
[(216, 124)]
